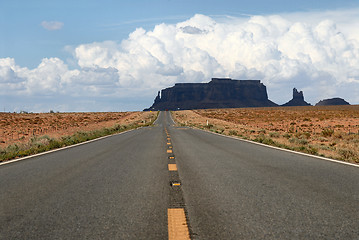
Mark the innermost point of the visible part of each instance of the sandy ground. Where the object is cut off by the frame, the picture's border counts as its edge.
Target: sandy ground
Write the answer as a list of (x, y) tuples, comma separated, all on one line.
[(331, 131), (20, 128)]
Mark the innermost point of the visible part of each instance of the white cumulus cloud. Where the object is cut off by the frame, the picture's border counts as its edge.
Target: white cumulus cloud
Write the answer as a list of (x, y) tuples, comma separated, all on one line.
[(52, 25), (318, 57), (314, 52)]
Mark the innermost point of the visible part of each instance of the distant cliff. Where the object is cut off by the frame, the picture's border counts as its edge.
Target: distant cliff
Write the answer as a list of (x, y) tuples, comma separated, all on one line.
[(218, 93), (297, 100), (332, 101)]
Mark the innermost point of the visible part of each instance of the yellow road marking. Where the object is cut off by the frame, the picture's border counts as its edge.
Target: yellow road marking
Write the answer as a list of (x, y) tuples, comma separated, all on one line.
[(169, 151), (176, 184), (177, 224), (170, 147), (172, 157), (172, 167), (168, 143)]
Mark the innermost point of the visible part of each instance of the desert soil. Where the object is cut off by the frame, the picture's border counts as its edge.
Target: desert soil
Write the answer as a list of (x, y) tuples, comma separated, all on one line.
[(20, 128), (330, 131)]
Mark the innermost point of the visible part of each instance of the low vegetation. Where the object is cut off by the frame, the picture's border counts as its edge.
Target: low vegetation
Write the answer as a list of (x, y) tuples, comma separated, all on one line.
[(38, 144), (330, 131)]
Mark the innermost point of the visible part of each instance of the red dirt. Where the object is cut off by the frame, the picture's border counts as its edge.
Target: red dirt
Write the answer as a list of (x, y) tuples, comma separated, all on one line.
[(19, 128), (332, 131)]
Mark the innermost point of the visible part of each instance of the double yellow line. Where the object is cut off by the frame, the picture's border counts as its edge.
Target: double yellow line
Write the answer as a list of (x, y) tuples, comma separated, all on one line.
[(176, 217)]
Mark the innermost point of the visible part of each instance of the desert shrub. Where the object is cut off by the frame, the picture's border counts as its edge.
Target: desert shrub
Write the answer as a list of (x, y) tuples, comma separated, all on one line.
[(298, 141), (312, 150), (53, 144), (303, 141), (303, 135), (306, 135), (287, 136), (346, 154), (324, 147), (219, 130), (263, 139), (262, 131), (12, 148), (323, 139), (307, 149), (291, 129), (233, 133), (274, 134), (209, 126), (327, 132)]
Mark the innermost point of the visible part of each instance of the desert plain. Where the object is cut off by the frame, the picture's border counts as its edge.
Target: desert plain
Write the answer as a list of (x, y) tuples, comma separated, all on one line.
[(21, 131), (328, 131)]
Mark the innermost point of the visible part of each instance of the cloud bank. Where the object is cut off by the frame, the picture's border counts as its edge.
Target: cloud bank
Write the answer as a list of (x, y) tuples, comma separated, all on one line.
[(315, 52)]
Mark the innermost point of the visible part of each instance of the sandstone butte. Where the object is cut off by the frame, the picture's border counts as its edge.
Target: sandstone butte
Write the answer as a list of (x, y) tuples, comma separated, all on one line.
[(219, 93)]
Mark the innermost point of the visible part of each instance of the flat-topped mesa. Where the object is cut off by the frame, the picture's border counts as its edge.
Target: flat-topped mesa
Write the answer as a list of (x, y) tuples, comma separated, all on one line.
[(218, 93)]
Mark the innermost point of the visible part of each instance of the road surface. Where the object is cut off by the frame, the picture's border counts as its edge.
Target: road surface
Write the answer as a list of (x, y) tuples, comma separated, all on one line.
[(123, 187)]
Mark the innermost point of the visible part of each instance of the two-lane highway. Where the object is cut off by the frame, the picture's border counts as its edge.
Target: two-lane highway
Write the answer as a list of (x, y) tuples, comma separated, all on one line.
[(119, 188)]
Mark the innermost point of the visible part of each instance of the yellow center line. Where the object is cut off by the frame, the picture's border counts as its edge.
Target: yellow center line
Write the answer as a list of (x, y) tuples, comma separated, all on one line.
[(177, 224), (169, 150), (168, 143), (172, 167)]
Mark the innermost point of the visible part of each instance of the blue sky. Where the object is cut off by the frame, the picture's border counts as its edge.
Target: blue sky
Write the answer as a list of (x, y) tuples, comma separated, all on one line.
[(61, 31), (93, 21)]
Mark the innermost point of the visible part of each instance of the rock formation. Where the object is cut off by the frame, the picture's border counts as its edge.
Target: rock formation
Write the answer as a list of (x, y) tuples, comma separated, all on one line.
[(298, 99), (332, 101), (218, 93)]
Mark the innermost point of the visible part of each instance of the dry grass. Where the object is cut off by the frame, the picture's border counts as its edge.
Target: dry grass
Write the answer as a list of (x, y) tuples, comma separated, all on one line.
[(26, 134), (331, 131), (20, 128)]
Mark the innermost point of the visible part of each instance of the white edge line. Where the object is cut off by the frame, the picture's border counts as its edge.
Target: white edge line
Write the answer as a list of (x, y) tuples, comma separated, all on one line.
[(281, 149), (173, 122), (286, 150), (155, 122), (63, 148)]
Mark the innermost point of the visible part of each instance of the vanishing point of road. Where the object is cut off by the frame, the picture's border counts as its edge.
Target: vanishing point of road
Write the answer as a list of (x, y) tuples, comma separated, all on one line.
[(169, 182)]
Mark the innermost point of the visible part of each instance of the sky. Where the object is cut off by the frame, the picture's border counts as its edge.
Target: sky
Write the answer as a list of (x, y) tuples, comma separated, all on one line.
[(114, 55)]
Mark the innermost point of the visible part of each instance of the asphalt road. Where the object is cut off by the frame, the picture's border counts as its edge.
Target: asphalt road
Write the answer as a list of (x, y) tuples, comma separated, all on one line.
[(118, 188)]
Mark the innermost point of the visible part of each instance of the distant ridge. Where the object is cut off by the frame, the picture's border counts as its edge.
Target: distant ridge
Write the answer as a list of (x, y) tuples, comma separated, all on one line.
[(332, 102), (225, 93)]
